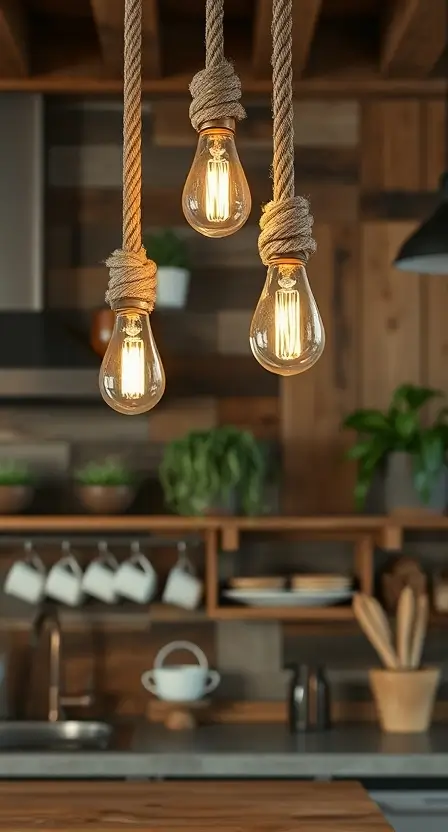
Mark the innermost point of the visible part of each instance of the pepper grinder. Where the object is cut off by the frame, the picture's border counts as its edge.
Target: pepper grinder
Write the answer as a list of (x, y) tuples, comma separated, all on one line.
[(309, 699)]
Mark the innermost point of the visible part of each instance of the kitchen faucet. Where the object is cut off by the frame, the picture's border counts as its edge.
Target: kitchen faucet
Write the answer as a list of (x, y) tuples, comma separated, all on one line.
[(48, 619)]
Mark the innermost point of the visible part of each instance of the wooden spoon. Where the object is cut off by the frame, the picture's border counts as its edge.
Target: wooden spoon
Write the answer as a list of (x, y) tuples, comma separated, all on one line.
[(419, 635), (379, 616), (405, 626), (375, 635)]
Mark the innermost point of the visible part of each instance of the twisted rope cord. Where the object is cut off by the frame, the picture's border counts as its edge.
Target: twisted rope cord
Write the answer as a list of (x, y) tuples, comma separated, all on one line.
[(215, 90), (132, 275), (286, 223)]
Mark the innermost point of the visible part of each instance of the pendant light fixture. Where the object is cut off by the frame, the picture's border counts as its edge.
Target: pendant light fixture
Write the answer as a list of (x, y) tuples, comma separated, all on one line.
[(426, 250), (286, 334), (216, 198), (132, 379)]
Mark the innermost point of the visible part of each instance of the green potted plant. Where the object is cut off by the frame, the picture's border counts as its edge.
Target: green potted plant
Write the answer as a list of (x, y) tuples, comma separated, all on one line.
[(170, 253), (213, 472), (410, 456), (106, 487), (16, 486)]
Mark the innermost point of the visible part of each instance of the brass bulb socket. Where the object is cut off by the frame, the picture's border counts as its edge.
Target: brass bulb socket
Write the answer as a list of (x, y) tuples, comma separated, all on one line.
[(218, 124), (130, 304), (286, 260)]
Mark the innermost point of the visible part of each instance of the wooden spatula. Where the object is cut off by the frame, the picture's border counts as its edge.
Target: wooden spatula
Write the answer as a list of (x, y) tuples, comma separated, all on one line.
[(405, 626)]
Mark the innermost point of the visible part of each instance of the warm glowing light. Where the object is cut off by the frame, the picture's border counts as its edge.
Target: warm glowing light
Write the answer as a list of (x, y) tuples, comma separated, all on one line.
[(286, 334), (217, 190), (216, 198), (287, 324), (132, 379), (132, 368)]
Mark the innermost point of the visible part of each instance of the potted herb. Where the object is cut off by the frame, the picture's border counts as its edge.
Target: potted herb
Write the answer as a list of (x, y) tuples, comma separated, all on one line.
[(105, 487), (410, 456), (16, 487), (213, 472), (173, 275)]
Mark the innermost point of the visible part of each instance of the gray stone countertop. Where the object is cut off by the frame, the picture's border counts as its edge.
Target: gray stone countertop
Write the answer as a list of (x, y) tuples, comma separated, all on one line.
[(245, 751)]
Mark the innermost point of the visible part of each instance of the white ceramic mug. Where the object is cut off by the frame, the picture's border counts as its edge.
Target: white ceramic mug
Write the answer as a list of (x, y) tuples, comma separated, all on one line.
[(181, 682), (136, 578), (64, 581), (26, 578), (99, 577), (183, 588)]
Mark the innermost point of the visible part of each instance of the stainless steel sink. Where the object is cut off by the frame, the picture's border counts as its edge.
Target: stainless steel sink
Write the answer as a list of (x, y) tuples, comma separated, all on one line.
[(54, 736)]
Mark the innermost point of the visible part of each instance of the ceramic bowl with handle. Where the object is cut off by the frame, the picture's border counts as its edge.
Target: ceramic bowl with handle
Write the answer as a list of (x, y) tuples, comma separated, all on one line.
[(180, 682)]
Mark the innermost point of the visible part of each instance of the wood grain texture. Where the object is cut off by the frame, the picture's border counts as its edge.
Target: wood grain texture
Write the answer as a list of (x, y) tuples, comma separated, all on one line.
[(414, 36), (14, 46), (390, 316), (262, 40), (326, 123), (260, 415), (435, 332), (108, 16), (305, 16), (391, 145), (317, 477), (326, 807), (434, 139)]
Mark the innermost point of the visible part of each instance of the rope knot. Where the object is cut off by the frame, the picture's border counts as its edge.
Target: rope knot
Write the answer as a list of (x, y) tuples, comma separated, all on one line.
[(131, 275), (216, 93), (286, 228)]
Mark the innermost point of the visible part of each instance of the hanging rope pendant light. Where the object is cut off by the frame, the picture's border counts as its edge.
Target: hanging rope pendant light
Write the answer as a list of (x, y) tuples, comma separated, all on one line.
[(286, 334), (132, 379), (216, 198)]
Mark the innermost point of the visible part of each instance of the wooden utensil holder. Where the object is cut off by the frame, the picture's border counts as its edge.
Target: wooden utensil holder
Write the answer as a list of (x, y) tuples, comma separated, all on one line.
[(404, 698)]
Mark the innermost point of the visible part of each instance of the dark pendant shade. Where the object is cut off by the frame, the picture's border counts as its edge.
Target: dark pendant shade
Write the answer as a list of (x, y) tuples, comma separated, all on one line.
[(426, 251)]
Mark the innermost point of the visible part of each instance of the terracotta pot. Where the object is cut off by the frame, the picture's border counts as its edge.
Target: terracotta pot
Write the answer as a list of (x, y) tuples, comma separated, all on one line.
[(15, 498), (101, 330), (105, 499), (405, 698)]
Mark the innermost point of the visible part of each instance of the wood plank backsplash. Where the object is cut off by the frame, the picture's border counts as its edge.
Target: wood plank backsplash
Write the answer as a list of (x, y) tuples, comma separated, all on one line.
[(370, 168)]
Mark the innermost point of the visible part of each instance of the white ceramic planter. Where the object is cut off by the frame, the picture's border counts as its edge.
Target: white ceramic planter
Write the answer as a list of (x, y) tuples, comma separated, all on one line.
[(172, 287)]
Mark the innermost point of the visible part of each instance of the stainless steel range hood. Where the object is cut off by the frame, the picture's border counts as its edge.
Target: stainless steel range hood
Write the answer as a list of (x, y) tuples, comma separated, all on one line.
[(39, 356)]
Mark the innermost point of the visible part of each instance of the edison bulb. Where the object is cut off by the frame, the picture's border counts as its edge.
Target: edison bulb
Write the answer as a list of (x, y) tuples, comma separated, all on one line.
[(286, 334), (216, 198), (132, 378)]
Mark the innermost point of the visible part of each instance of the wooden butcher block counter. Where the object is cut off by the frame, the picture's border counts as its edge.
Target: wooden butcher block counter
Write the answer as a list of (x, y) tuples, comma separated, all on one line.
[(231, 806)]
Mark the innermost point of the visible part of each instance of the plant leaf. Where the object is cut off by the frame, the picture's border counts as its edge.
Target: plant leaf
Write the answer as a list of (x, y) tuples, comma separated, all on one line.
[(406, 424), (413, 396), (367, 421)]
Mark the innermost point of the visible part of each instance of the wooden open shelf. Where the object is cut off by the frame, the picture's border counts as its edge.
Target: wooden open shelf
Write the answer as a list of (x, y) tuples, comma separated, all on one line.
[(222, 534), (284, 613), (127, 523)]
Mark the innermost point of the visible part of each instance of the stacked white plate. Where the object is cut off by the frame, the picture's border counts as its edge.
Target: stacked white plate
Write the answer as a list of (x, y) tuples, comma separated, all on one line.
[(306, 591)]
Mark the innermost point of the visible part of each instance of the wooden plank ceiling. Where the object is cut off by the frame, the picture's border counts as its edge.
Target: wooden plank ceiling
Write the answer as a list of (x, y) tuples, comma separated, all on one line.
[(340, 46)]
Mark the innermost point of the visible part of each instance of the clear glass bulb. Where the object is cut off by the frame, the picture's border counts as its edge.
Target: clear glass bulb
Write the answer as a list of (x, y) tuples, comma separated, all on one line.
[(216, 198), (132, 378), (286, 334)]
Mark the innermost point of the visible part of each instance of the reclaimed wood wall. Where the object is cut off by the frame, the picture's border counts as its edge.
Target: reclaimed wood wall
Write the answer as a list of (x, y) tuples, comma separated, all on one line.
[(370, 168)]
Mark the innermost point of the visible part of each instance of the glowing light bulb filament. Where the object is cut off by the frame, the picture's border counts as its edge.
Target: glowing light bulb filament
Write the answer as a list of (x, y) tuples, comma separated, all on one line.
[(288, 342), (217, 186), (132, 368)]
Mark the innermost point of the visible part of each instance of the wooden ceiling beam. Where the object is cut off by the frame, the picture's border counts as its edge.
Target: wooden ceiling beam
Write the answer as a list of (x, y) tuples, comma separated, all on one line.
[(262, 41), (304, 24), (305, 17), (414, 37), (14, 43), (109, 21)]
